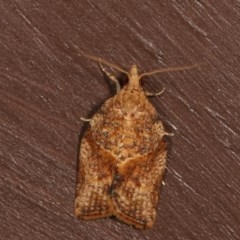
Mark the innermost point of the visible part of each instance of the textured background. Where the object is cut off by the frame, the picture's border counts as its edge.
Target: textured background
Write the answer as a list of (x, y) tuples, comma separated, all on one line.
[(46, 88)]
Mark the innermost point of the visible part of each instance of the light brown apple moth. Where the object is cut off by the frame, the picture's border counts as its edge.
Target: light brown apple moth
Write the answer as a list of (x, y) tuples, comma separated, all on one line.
[(122, 155)]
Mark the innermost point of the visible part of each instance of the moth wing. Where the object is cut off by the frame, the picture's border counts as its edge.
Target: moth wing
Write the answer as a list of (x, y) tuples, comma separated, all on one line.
[(94, 180), (136, 188)]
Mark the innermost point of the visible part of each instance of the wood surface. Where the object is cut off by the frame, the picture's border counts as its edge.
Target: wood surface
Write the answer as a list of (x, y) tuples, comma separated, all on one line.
[(46, 87)]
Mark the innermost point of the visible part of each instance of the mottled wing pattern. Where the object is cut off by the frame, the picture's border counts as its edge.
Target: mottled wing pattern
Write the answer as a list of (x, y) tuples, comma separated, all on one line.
[(122, 158), (94, 182), (136, 188)]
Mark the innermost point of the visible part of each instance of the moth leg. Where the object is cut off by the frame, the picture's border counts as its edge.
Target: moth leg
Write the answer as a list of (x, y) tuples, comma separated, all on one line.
[(158, 127), (150, 94), (85, 119), (169, 134), (111, 76)]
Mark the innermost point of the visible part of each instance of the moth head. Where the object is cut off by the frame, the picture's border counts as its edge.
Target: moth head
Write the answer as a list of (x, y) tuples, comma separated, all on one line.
[(133, 71), (133, 77)]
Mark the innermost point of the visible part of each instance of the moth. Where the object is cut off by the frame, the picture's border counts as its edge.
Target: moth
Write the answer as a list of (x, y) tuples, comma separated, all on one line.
[(122, 155)]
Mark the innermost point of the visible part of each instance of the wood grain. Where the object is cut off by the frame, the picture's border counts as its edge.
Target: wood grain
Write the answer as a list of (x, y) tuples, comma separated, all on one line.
[(46, 87)]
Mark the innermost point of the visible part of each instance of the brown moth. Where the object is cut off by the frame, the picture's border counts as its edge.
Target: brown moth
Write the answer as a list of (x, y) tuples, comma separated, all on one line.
[(122, 155)]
